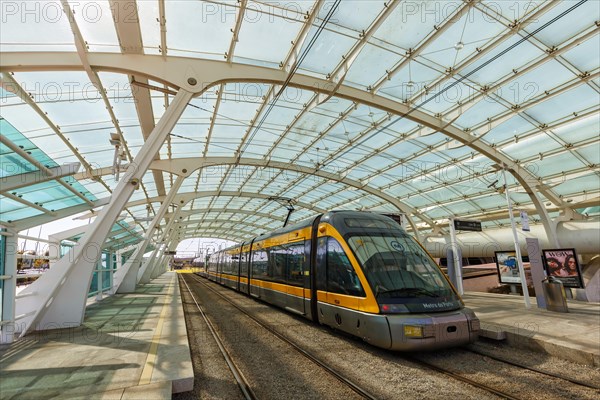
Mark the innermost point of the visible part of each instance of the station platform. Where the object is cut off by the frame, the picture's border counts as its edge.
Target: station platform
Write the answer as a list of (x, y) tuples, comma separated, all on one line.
[(573, 336), (135, 346), (130, 346)]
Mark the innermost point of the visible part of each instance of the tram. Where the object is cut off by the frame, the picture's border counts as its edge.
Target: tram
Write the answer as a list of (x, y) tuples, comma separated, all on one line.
[(357, 272)]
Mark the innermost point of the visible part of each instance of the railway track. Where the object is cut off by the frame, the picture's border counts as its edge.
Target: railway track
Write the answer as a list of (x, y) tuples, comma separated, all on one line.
[(533, 369), (490, 385), (461, 378), (336, 374), (237, 374)]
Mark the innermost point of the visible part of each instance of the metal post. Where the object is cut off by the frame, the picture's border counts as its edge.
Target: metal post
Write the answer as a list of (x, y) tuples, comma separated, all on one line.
[(99, 278), (516, 240), (9, 288), (456, 257)]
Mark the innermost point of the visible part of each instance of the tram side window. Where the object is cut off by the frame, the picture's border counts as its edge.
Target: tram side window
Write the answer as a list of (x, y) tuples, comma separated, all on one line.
[(244, 264), (295, 263), (277, 259), (259, 264), (341, 277)]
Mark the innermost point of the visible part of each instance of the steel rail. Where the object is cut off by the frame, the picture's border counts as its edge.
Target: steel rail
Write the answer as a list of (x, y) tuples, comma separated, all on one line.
[(356, 388), (459, 377), (237, 374), (533, 369)]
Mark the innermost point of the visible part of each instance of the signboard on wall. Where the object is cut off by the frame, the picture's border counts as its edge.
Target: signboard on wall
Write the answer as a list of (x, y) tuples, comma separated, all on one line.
[(564, 266)]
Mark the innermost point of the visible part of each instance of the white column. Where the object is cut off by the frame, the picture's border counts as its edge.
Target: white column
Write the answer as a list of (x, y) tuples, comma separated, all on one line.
[(58, 298), (457, 259), (516, 242), (146, 272), (9, 289), (127, 279)]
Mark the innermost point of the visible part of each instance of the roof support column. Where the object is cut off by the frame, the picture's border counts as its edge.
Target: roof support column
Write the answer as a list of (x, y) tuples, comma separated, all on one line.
[(126, 277), (146, 272), (549, 225), (159, 268), (57, 299), (9, 287)]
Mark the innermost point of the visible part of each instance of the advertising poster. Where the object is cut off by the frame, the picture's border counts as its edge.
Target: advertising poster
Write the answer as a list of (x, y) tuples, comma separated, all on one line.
[(508, 268), (563, 265)]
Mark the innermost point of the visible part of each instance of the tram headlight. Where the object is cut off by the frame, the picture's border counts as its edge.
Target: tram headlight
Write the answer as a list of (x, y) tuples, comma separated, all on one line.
[(414, 331)]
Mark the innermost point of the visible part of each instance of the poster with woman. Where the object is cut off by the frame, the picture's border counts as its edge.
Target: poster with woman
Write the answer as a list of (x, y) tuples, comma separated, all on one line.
[(563, 265)]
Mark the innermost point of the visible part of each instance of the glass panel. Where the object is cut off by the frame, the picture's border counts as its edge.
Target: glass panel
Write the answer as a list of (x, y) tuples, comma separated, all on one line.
[(273, 32), (563, 28), (327, 51), (585, 56), (149, 25), (97, 24), (35, 26), (208, 32)]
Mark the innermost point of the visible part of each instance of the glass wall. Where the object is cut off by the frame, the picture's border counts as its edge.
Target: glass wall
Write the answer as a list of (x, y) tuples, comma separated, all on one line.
[(2, 256), (103, 274)]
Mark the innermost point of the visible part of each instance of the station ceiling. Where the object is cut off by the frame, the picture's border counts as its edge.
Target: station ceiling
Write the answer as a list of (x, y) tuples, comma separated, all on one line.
[(400, 106)]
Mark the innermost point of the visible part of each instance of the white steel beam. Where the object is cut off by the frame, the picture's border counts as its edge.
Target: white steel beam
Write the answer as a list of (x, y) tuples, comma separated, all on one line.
[(57, 299), (128, 30), (14, 182), (154, 67), (239, 18), (188, 213), (37, 220), (126, 280), (209, 222), (49, 173), (226, 234), (147, 268)]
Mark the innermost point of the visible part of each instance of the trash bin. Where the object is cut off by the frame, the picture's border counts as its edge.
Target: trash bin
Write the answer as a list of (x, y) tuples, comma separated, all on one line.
[(554, 293)]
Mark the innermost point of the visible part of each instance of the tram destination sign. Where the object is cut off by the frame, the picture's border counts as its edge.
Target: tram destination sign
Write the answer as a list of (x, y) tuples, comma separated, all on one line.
[(462, 225), (170, 252)]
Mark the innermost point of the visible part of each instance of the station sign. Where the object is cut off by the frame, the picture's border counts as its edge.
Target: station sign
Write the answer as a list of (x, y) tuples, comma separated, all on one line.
[(462, 225)]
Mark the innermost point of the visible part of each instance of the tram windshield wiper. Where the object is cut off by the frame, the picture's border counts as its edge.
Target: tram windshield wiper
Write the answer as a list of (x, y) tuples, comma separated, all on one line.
[(409, 292)]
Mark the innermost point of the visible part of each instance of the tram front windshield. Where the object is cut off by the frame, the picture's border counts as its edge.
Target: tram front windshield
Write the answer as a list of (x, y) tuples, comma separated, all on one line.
[(400, 271)]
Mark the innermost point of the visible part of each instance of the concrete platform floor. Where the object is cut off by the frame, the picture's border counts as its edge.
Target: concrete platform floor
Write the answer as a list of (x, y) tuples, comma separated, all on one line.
[(131, 346), (574, 336)]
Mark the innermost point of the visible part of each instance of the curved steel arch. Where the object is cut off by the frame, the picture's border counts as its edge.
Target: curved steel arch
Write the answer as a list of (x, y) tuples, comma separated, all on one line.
[(216, 230), (194, 163), (183, 198), (188, 213), (176, 165), (177, 71), (188, 224)]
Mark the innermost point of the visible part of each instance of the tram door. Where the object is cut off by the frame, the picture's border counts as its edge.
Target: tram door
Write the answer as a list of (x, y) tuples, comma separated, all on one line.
[(258, 269), (296, 264)]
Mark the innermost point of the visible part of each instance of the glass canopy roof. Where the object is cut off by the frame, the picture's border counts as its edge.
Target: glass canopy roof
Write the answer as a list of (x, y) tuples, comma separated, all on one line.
[(513, 82), (121, 236)]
